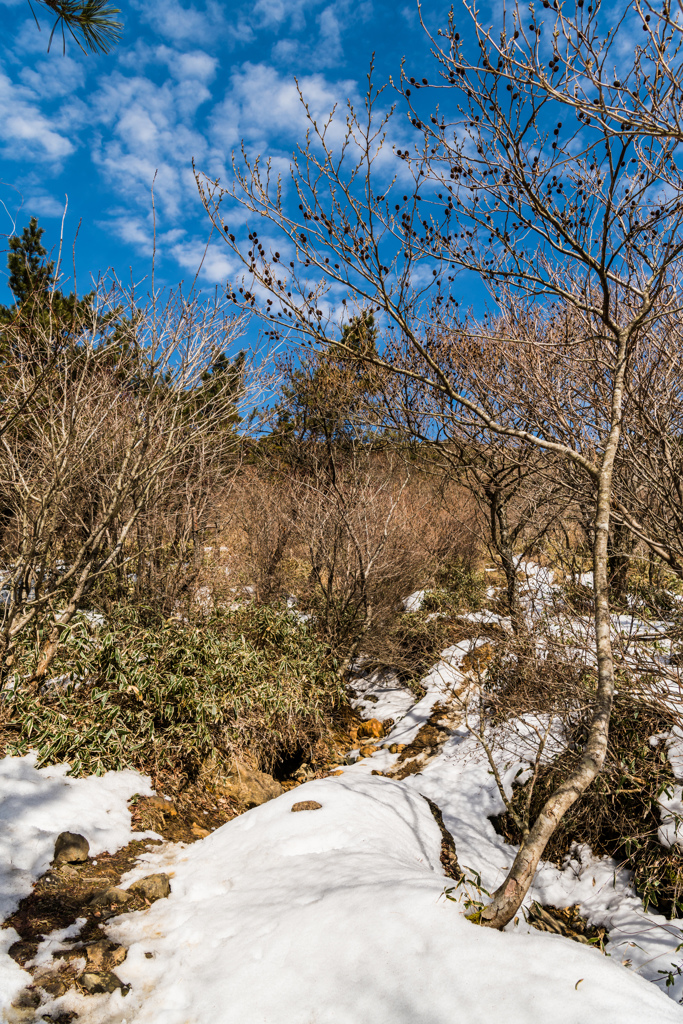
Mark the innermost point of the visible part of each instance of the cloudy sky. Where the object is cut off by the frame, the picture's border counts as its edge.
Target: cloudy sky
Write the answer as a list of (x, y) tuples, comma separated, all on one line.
[(188, 80)]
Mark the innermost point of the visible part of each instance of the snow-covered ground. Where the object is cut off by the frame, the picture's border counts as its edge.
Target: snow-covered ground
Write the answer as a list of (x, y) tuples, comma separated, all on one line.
[(337, 915), (35, 806)]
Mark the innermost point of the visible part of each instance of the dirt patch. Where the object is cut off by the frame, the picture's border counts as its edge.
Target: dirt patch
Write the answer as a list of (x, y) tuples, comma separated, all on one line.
[(569, 922), (191, 813), (429, 740), (67, 892), (449, 857)]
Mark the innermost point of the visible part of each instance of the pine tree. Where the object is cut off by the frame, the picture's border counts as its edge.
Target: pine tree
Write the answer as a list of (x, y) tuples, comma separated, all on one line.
[(32, 281), (29, 273), (329, 396)]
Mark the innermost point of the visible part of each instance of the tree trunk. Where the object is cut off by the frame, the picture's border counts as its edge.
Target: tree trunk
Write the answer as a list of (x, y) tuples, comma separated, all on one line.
[(507, 899), (500, 535)]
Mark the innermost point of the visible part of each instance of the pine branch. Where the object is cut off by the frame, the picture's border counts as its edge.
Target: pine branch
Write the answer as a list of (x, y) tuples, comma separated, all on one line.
[(92, 24)]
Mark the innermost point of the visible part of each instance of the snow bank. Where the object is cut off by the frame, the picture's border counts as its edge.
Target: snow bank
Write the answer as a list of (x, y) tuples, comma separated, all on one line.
[(337, 916), (36, 804)]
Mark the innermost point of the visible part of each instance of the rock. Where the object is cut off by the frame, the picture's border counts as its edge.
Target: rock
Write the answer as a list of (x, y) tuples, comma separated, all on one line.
[(71, 848), (96, 982), (351, 758), (103, 952), (160, 803), (367, 751), (373, 729), (250, 787), (199, 832), (52, 983), (111, 897), (152, 887), (306, 805)]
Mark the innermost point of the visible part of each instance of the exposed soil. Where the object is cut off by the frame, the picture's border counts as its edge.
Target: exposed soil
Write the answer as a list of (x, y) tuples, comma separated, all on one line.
[(569, 922)]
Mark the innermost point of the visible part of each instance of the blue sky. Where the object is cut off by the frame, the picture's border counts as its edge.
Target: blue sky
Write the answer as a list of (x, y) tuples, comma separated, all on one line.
[(188, 80)]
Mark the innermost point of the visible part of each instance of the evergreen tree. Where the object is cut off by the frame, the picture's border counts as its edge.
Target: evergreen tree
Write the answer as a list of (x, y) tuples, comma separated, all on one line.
[(29, 273), (329, 397), (32, 281), (224, 378)]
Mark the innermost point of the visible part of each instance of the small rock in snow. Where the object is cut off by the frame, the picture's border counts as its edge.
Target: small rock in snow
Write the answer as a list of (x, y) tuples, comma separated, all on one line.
[(250, 787), (306, 805), (110, 897), (71, 848), (153, 887), (101, 981), (373, 729)]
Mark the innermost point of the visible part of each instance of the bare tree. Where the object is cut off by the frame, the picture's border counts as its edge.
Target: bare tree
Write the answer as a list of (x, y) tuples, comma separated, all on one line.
[(573, 223), (125, 412)]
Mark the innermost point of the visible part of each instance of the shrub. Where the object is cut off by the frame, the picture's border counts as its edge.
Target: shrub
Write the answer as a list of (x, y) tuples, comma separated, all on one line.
[(619, 815), (169, 695)]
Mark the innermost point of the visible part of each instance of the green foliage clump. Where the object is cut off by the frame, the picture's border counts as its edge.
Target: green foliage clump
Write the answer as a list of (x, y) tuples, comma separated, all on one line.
[(170, 695), (460, 588)]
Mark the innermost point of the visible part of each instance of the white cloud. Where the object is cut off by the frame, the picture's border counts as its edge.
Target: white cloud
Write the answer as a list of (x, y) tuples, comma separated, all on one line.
[(216, 262), (41, 204), (130, 228), (330, 35), (54, 78), (148, 129), (184, 24), (192, 65), (25, 130), (263, 106)]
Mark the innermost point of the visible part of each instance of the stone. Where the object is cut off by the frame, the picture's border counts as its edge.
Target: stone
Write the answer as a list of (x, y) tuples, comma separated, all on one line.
[(306, 805), (372, 729), (198, 831), (104, 952), (152, 887), (111, 898), (249, 787), (367, 751), (160, 803), (96, 982), (51, 982), (71, 848)]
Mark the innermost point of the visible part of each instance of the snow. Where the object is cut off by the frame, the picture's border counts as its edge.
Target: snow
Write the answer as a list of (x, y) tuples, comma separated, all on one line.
[(380, 695), (414, 602), (336, 916), (36, 804)]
